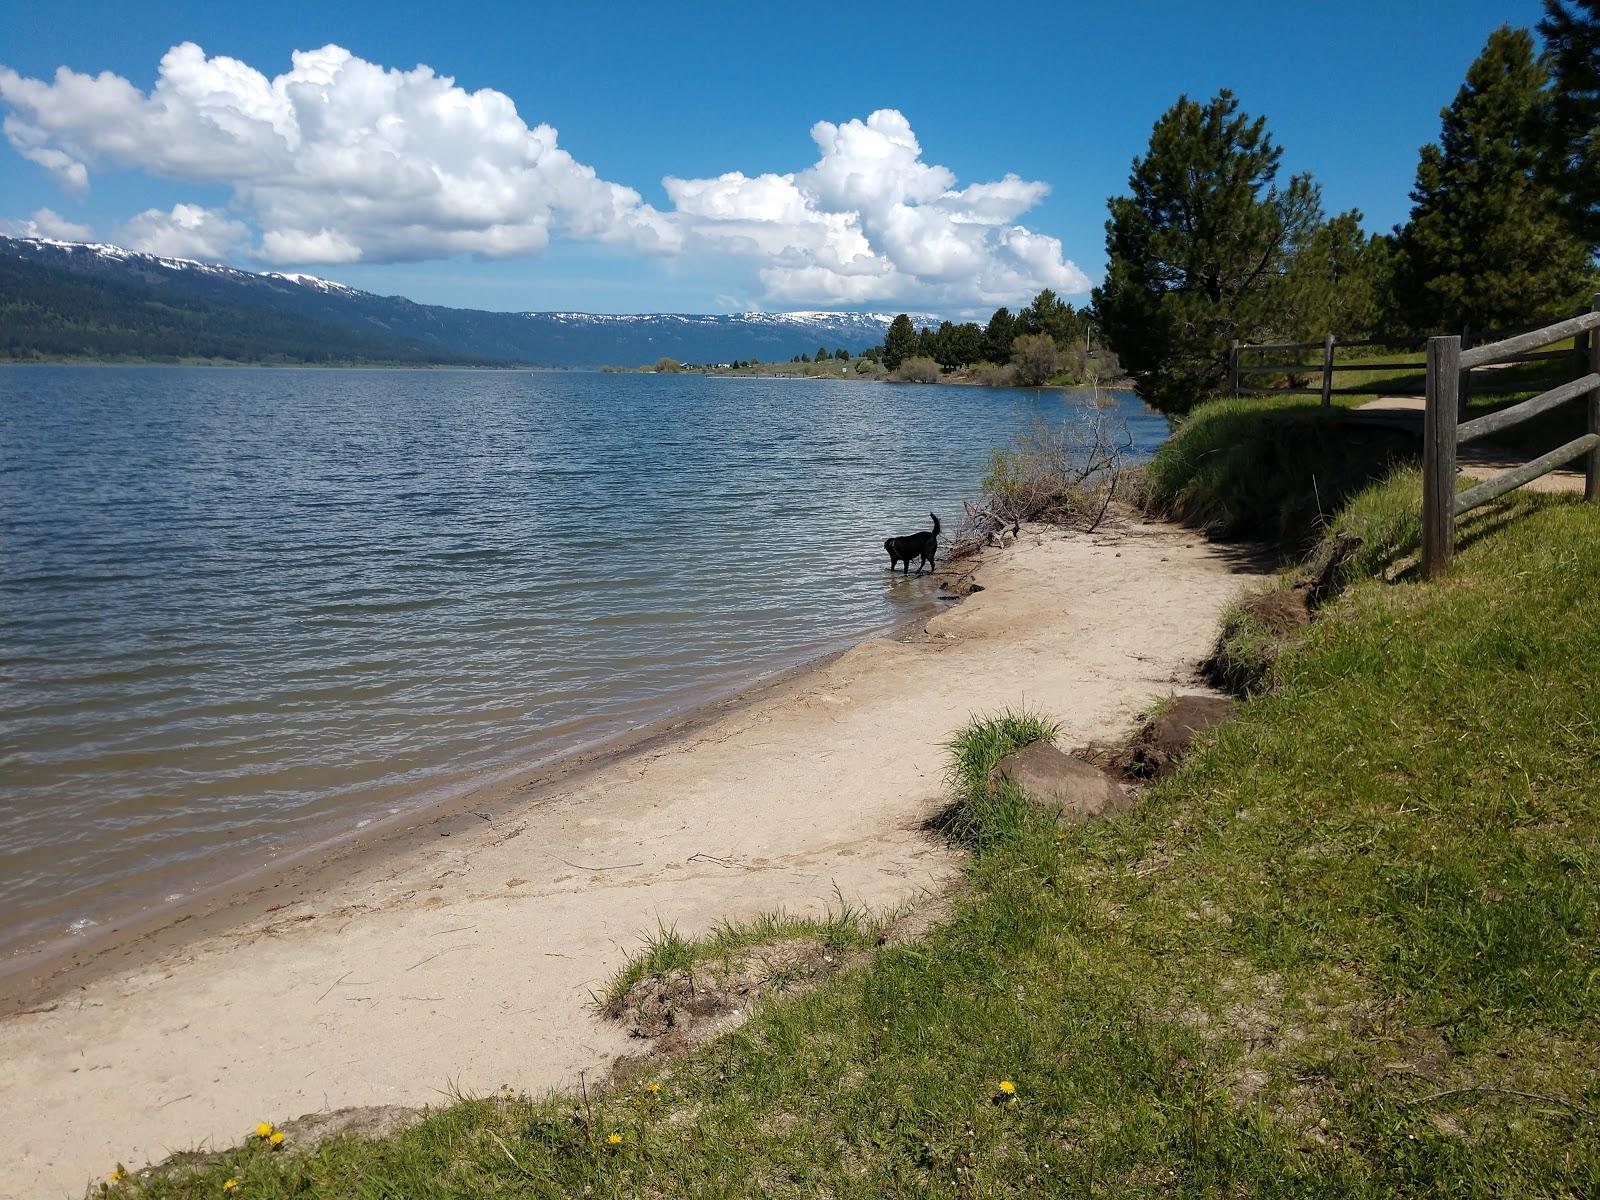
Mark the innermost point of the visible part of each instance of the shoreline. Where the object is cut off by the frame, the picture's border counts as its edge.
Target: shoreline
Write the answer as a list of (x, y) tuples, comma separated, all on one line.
[(463, 952), (43, 973)]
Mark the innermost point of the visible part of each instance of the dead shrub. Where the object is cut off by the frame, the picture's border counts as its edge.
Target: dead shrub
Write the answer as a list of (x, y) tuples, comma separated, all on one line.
[(917, 370), (1064, 473)]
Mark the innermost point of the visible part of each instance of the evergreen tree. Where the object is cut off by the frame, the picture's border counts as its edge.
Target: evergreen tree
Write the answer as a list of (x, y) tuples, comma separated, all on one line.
[(1052, 315), (823, 354), (1488, 243), (928, 343), (1571, 31), (900, 343), (997, 337), (841, 354), (1199, 252), (1338, 282), (963, 345)]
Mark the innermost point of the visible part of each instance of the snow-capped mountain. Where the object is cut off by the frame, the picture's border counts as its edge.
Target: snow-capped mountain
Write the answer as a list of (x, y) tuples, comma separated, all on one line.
[(422, 331)]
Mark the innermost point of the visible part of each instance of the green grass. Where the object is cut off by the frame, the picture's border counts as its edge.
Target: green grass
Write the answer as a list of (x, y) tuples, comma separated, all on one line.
[(1271, 468), (1348, 950)]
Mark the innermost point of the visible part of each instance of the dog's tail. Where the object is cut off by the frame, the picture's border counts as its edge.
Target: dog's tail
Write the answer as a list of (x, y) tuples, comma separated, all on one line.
[(935, 517)]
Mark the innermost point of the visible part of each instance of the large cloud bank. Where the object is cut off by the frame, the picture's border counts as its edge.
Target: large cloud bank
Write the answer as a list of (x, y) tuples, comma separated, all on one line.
[(341, 160)]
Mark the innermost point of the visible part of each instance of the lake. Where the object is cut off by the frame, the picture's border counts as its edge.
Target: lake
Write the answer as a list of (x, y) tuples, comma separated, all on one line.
[(244, 610)]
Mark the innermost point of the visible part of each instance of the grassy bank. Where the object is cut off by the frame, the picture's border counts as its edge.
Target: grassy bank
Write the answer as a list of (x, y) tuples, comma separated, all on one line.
[(1272, 468), (1348, 950)]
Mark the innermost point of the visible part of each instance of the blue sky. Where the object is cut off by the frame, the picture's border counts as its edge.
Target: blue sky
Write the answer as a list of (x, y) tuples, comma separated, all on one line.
[(1059, 95)]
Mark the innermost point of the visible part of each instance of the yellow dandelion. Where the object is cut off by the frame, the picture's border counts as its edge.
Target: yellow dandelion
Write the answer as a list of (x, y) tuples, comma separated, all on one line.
[(229, 1184), (264, 1130), (277, 1137), (115, 1176), (653, 1088), (1007, 1088), (614, 1139)]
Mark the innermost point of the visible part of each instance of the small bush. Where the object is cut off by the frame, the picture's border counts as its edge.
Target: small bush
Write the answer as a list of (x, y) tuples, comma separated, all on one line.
[(1035, 358), (1064, 473), (667, 366), (917, 370), (987, 374)]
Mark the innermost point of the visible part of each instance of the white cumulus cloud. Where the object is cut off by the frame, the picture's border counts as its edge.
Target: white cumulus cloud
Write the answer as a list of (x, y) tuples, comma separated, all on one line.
[(188, 231), (340, 160), (870, 220), (47, 223)]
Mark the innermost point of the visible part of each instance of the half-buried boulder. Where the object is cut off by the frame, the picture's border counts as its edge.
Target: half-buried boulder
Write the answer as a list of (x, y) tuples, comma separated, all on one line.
[(1048, 777)]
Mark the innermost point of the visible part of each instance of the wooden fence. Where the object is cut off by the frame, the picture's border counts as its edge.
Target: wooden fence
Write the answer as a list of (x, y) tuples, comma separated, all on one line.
[(1453, 369), (1239, 369), (1448, 366)]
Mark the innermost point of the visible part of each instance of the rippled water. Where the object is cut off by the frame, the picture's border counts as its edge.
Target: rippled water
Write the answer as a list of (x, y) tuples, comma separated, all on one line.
[(243, 609)]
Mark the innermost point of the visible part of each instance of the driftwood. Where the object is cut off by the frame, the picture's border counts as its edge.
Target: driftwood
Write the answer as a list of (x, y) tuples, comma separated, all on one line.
[(1063, 475)]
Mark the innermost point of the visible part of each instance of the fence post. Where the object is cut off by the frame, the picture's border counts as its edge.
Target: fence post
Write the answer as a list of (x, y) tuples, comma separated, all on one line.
[(1233, 367), (1591, 462), (1439, 455), (1327, 369)]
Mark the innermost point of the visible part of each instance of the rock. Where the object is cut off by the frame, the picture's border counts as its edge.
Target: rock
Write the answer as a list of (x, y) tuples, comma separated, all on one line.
[(1049, 777), (961, 585), (1163, 742)]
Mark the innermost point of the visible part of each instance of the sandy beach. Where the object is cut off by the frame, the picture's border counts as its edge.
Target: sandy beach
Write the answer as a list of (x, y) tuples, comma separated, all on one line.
[(462, 953)]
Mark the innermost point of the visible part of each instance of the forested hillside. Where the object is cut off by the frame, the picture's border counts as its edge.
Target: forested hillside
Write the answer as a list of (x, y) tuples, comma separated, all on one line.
[(50, 313)]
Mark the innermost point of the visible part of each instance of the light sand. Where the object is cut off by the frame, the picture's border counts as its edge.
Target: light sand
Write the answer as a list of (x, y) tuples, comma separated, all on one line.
[(469, 960)]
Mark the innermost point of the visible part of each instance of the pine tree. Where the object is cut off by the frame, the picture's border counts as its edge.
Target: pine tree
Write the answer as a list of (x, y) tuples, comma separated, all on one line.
[(1571, 32), (1338, 282), (900, 343), (1199, 252), (997, 337), (1488, 243)]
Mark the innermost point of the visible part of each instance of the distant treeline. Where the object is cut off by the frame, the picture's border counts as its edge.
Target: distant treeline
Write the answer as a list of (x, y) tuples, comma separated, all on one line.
[(1047, 340), (47, 313)]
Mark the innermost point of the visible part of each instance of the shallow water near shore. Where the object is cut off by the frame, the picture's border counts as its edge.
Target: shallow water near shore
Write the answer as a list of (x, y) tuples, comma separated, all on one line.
[(242, 610)]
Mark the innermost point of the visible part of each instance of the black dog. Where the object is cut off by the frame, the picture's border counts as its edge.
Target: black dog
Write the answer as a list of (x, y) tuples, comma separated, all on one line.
[(914, 545)]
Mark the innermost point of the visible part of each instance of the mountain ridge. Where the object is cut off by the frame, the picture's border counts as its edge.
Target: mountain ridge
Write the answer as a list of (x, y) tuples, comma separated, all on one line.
[(390, 328)]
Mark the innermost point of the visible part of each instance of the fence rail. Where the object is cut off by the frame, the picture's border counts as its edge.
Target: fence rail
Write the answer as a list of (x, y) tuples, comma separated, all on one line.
[(1449, 372), (1238, 369)]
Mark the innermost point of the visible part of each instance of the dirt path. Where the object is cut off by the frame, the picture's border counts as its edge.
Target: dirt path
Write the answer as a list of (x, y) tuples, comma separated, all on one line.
[(1483, 460), (469, 961)]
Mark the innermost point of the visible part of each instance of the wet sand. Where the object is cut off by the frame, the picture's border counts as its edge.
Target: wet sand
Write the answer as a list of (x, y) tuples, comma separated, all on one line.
[(463, 952)]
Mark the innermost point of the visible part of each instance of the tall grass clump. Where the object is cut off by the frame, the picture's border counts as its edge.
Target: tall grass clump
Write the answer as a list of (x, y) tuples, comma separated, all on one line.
[(1267, 468), (983, 814)]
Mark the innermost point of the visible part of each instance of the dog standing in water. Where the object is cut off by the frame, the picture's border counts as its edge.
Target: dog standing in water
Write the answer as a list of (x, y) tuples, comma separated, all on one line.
[(914, 545)]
